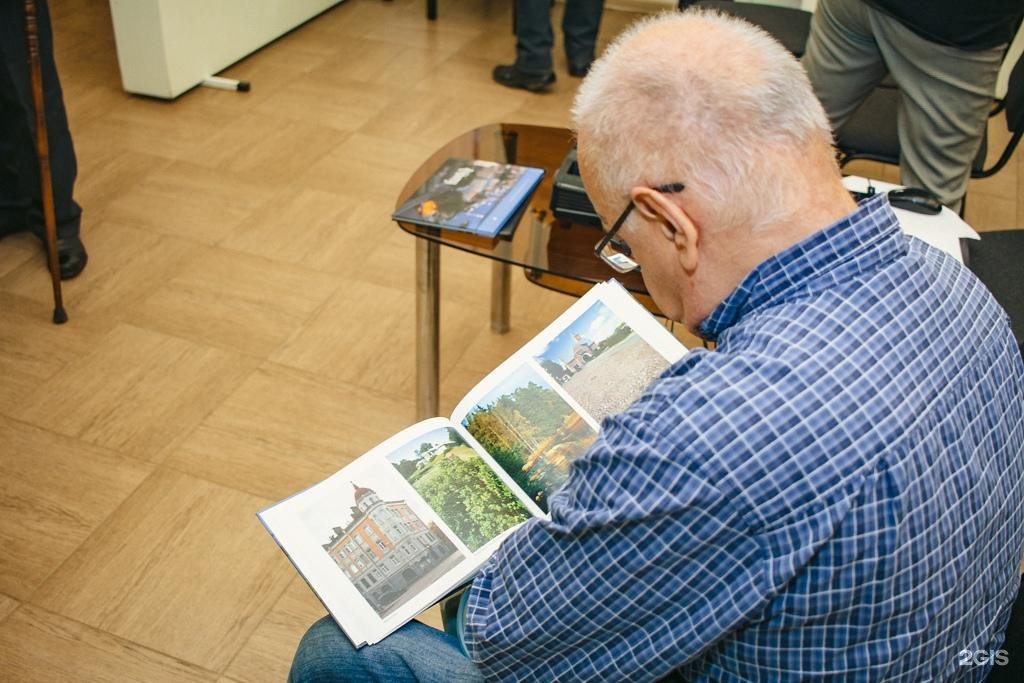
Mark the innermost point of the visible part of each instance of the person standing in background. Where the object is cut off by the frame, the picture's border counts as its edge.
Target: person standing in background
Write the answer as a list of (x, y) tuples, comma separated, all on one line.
[(21, 206), (533, 69), (944, 55)]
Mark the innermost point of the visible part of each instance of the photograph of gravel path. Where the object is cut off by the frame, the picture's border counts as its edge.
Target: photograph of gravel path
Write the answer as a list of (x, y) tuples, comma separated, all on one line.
[(601, 362)]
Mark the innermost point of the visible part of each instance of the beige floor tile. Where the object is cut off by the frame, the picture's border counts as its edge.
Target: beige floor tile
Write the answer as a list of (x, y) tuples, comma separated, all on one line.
[(484, 352), (432, 617), (16, 250), (37, 645), (465, 16), (465, 277), (126, 264), (54, 492), (375, 62), (532, 309), (441, 38), (267, 656), (183, 567), (34, 349), (431, 118), (377, 356), (346, 21), (235, 301), (95, 90), (105, 172), (393, 261), (176, 129), (267, 150), (139, 392), (1002, 185), (324, 231), (283, 430), (367, 167), (7, 605), (450, 77), (1005, 183), (190, 201), (990, 213), (497, 46), (320, 99), (271, 69)]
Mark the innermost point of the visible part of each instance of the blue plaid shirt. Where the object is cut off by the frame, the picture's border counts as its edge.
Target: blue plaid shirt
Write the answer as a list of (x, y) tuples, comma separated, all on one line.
[(837, 491)]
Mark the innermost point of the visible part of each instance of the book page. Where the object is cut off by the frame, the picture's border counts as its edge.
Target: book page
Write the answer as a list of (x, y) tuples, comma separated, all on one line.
[(396, 530), (542, 408)]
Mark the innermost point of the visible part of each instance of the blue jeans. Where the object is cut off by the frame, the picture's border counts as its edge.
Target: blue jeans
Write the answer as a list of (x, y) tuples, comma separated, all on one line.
[(415, 652)]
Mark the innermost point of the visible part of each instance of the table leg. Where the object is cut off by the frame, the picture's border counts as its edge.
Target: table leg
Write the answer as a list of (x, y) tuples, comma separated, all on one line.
[(431, 9), (428, 321), (501, 296)]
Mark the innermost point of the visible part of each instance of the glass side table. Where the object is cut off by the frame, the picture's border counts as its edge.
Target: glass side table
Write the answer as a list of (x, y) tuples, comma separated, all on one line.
[(554, 253)]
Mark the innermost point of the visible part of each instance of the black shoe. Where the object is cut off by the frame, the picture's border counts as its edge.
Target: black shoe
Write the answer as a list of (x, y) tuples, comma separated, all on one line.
[(510, 76), (579, 70), (71, 256)]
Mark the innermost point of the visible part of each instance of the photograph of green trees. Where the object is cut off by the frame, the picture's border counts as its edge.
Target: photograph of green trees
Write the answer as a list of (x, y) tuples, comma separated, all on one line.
[(449, 475), (531, 432)]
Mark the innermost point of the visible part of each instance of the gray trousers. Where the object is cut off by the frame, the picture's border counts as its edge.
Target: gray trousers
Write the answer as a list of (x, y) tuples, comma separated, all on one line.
[(946, 92)]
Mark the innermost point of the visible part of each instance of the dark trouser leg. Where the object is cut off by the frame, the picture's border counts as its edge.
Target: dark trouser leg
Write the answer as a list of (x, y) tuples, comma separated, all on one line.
[(534, 37), (20, 194), (580, 24)]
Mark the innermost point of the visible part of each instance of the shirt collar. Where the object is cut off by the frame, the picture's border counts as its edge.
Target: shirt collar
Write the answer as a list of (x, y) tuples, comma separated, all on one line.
[(861, 241)]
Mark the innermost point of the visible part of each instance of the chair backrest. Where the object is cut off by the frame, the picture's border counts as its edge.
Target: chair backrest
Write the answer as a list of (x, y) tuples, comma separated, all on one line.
[(1010, 667), (1015, 98)]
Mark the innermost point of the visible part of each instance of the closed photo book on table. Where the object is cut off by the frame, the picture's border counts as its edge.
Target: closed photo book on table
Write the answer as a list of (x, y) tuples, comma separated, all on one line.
[(472, 196), (403, 525)]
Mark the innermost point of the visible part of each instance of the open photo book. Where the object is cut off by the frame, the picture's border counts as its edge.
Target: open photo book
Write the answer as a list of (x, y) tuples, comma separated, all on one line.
[(415, 517)]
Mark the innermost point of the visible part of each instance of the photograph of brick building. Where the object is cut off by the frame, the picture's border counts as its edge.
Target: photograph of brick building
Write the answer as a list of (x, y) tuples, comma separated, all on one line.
[(387, 552)]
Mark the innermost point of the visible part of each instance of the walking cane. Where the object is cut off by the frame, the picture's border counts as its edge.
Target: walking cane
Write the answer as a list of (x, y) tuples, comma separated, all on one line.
[(60, 316)]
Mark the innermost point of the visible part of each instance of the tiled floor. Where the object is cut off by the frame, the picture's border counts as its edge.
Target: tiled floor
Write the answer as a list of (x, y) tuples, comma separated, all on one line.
[(244, 328)]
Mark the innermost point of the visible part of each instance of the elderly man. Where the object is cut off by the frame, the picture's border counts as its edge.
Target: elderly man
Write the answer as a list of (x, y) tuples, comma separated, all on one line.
[(836, 491)]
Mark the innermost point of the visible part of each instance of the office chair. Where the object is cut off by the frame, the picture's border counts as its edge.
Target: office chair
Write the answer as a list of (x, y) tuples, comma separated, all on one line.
[(996, 259), (789, 26), (871, 133), (1013, 670)]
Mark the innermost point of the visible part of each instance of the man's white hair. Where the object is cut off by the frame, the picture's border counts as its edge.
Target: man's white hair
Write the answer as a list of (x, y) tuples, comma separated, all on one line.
[(705, 99)]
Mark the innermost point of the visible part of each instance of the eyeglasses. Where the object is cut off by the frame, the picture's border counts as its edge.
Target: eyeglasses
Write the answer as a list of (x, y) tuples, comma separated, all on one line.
[(613, 250)]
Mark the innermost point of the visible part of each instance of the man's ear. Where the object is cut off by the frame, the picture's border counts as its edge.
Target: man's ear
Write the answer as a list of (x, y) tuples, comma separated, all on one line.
[(673, 222)]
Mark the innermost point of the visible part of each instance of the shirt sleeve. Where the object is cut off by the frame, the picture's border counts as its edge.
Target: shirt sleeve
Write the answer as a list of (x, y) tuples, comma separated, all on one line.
[(641, 567)]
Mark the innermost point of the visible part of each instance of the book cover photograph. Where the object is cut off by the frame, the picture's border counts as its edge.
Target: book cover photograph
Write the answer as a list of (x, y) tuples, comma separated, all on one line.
[(401, 526), (474, 196)]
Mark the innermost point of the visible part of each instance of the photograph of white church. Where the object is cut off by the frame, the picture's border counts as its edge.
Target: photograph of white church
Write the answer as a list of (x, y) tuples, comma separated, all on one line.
[(601, 362)]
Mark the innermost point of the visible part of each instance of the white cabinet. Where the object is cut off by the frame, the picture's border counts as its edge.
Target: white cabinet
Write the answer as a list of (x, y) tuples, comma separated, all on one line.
[(165, 47)]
